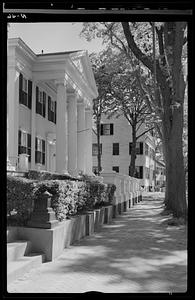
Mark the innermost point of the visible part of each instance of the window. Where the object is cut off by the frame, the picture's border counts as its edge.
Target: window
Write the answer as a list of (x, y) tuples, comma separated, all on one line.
[(40, 102), (115, 149), (39, 151), (139, 148), (106, 129), (95, 149), (52, 105), (138, 172), (115, 168), (25, 91), (24, 143)]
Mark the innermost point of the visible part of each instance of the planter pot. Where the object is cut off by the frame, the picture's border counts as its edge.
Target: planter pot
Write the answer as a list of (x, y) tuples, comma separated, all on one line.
[(96, 219), (120, 208), (89, 222), (102, 215), (78, 227), (108, 214)]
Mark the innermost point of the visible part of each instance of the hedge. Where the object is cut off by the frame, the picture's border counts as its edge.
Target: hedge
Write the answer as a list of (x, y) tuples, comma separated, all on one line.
[(68, 197), (20, 199), (45, 175)]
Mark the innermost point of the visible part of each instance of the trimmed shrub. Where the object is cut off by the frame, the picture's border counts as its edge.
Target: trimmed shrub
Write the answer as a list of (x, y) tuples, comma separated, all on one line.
[(45, 175), (68, 197), (64, 198), (20, 200)]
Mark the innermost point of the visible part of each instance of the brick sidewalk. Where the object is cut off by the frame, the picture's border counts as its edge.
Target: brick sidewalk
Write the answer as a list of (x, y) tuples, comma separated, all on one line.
[(137, 253)]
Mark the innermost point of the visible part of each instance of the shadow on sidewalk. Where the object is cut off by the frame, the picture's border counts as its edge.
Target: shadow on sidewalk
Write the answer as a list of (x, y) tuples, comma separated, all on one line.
[(137, 249)]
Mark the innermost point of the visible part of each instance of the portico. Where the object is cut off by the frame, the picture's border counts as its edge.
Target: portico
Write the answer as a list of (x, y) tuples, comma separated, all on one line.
[(67, 141)]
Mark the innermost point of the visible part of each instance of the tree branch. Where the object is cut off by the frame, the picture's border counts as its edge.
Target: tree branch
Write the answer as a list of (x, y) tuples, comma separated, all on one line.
[(137, 137)]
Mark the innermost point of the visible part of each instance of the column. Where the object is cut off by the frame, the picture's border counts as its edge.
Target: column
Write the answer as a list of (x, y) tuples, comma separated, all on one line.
[(13, 114), (33, 125), (81, 137), (61, 130), (88, 137), (72, 134)]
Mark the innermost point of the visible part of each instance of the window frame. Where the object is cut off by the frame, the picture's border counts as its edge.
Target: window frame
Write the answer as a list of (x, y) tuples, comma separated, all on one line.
[(39, 153), (109, 131), (114, 167), (26, 146)]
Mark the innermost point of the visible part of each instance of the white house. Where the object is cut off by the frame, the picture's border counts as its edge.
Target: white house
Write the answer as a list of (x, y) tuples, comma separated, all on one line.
[(49, 110), (115, 139)]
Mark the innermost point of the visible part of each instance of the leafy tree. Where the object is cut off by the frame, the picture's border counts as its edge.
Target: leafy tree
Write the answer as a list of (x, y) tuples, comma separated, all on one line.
[(123, 97), (159, 48)]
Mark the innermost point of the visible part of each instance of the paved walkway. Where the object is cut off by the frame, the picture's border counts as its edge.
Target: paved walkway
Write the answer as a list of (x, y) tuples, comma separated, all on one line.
[(137, 253)]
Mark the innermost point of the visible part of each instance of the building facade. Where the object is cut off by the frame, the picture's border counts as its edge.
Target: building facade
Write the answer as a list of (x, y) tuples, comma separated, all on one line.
[(116, 139), (49, 110)]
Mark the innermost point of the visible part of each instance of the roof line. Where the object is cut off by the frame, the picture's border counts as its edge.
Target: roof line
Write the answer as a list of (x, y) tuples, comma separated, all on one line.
[(57, 53)]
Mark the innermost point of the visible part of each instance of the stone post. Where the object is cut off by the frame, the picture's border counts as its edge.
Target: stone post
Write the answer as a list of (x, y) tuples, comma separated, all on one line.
[(43, 216)]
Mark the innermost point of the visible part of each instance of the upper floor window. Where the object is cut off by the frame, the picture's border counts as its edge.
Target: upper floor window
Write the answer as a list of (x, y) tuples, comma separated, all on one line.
[(40, 102), (25, 91), (24, 143), (107, 129), (115, 150), (139, 148), (52, 105), (39, 151), (115, 168), (95, 149)]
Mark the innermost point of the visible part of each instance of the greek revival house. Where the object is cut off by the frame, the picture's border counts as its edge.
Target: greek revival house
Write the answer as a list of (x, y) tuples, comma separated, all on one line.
[(49, 110)]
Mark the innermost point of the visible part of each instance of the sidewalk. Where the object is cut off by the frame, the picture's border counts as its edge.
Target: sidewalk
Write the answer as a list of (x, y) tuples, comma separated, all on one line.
[(137, 253)]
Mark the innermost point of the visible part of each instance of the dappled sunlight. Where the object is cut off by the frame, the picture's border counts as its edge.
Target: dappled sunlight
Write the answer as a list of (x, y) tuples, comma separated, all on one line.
[(136, 253)]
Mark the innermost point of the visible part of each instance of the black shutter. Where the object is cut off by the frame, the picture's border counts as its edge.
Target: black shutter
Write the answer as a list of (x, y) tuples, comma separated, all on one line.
[(141, 147), (49, 108), (141, 172), (19, 137), (44, 104), (111, 129), (55, 112), (37, 99), (20, 87), (28, 140), (43, 152), (36, 143), (101, 129), (43, 146), (29, 94), (29, 146)]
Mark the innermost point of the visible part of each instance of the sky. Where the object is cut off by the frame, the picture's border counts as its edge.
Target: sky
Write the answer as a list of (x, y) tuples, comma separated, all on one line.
[(53, 37)]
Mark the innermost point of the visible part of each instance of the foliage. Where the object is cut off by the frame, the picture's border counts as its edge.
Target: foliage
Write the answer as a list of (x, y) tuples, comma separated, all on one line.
[(45, 175), (158, 46), (19, 199), (64, 198), (68, 197)]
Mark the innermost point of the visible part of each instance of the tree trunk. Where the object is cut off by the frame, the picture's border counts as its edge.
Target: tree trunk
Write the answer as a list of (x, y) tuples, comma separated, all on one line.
[(99, 145), (133, 153)]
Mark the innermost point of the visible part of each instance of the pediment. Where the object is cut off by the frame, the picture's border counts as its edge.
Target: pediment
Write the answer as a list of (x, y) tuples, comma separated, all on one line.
[(82, 62)]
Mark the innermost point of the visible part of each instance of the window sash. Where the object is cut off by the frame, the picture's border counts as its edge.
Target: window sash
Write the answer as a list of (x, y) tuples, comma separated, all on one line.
[(115, 149)]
